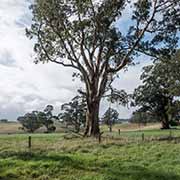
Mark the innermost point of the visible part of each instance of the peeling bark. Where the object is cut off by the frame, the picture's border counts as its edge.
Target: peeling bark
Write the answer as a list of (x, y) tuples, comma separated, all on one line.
[(92, 119)]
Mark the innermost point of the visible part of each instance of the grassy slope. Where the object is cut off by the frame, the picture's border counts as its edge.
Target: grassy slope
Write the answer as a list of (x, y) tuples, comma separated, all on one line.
[(54, 158), (12, 127)]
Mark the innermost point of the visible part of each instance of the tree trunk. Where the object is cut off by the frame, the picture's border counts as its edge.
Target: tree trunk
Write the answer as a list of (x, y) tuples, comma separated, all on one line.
[(165, 122), (77, 127), (110, 128), (165, 125), (92, 119)]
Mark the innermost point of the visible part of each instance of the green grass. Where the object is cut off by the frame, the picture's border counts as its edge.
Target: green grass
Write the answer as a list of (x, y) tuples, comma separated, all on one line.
[(123, 157), (151, 133)]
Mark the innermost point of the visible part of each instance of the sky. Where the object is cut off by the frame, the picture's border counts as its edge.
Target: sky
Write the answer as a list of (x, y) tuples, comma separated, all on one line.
[(25, 86)]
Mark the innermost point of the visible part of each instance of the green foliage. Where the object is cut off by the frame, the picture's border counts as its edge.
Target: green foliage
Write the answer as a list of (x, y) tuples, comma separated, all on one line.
[(143, 117), (168, 72), (110, 117), (174, 123), (30, 122), (74, 113), (118, 96), (36, 119), (48, 120), (3, 120), (159, 89), (58, 25)]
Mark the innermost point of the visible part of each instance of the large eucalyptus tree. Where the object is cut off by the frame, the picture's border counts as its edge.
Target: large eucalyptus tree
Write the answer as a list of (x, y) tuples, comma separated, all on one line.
[(96, 39)]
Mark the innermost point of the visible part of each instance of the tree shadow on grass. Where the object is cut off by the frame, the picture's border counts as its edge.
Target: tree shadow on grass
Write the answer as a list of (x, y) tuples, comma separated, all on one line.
[(138, 173), (108, 170)]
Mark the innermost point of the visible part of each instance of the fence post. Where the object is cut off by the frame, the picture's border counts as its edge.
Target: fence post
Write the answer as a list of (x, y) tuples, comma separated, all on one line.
[(99, 138), (119, 131), (170, 134), (142, 136), (29, 142)]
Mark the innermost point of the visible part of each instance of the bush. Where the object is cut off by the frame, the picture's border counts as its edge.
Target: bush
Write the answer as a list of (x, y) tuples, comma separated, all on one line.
[(173, 123)]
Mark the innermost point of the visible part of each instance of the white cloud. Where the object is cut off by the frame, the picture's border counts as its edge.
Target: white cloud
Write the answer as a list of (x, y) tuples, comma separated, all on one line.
[(25, 86)]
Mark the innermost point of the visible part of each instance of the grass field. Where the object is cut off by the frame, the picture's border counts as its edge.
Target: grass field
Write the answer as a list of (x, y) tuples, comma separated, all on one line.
[(14, 127), (118, 157)]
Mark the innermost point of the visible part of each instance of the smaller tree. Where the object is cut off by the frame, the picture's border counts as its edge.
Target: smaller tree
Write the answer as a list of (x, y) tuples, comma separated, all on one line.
[(110, 117), (36, 119), (30, 122), (74, 112), (47, 118)]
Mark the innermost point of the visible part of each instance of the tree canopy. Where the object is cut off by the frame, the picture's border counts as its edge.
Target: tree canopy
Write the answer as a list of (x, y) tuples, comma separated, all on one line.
[(30, 122), (110, 117), (74, 113), (36, 119), (161, 84), (143, 117)]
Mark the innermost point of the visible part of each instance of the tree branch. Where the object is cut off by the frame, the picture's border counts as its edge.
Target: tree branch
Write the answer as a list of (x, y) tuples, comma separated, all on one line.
[(82, 44), (126, 57)]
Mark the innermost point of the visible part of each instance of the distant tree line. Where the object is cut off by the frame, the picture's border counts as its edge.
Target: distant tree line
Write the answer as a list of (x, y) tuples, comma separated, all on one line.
[(143, 118), (3, 120)]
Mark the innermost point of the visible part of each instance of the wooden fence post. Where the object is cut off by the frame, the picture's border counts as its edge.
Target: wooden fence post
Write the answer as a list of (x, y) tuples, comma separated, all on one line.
[(119, 131), (99, 138), (142, 136), (29, 142)]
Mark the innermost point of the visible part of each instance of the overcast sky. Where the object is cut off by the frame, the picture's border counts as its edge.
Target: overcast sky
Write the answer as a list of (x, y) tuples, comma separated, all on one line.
[(25, 86)]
